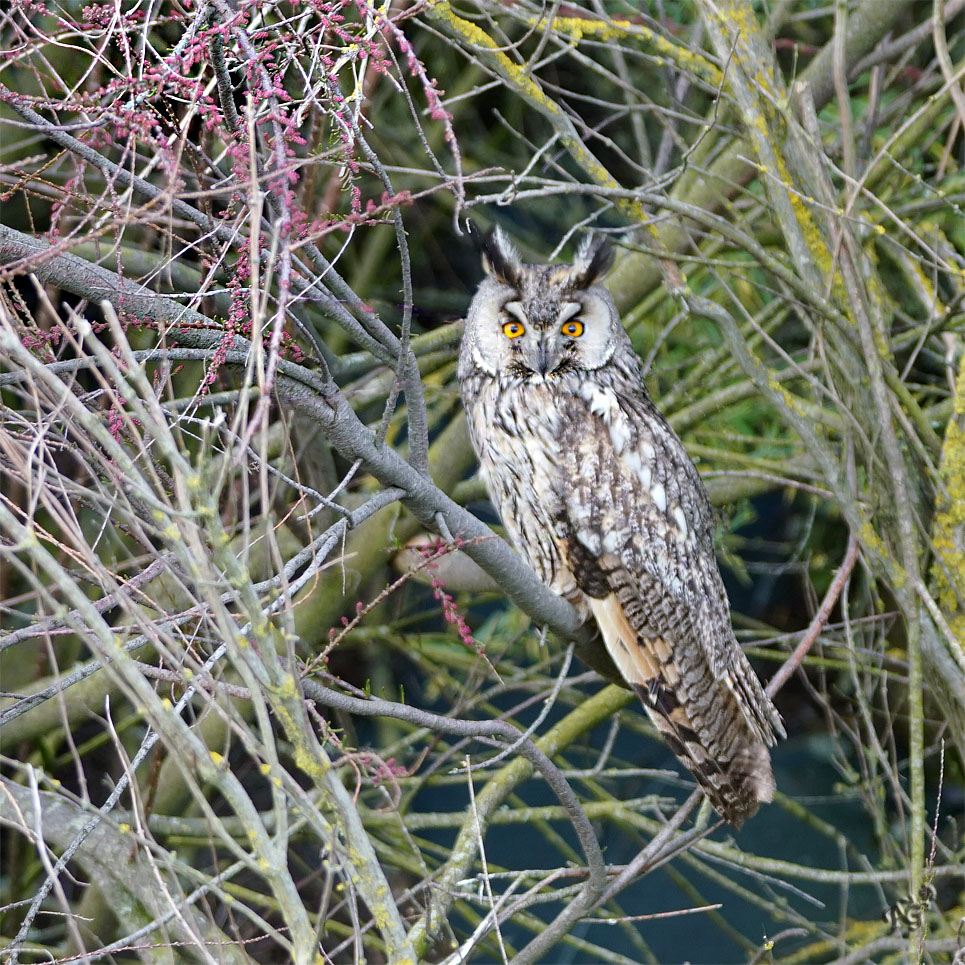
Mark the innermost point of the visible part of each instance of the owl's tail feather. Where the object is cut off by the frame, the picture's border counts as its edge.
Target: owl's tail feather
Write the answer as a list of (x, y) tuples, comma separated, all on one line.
[(710, 721)]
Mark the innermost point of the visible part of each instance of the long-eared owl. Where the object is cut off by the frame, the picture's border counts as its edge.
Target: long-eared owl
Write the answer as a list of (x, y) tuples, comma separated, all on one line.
[(599, 495)]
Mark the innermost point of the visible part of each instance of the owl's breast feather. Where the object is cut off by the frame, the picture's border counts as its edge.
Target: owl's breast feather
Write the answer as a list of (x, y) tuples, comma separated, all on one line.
[(515, 432)]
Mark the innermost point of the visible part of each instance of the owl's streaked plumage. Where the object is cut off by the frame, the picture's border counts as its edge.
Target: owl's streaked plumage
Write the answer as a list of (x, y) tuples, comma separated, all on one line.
[(600, 496)]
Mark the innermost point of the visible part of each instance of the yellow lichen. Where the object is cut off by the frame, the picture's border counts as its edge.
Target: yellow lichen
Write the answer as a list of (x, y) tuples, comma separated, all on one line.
[(948, 531), (578, 28), (519, 78)]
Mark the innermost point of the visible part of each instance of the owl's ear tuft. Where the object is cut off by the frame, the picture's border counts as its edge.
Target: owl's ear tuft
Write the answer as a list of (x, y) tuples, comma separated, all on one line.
[(499, 255), (593, 260)]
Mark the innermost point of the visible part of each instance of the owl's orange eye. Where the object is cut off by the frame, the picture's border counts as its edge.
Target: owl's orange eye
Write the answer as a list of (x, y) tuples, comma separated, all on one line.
[(513, 329), (572, 328)]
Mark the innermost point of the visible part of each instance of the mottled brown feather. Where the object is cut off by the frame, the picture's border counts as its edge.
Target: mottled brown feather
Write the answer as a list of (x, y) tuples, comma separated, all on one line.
[(736, 774), (601, 497)]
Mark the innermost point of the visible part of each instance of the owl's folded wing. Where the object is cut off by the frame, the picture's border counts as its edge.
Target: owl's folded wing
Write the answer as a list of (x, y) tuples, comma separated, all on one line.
[(635, 530)]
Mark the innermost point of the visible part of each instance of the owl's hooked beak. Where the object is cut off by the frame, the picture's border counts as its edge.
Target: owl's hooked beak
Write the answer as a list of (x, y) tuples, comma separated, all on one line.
[(546, 354), (543, 359)]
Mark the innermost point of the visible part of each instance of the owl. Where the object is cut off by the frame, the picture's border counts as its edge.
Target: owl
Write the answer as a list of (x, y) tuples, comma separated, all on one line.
[(599, 495)]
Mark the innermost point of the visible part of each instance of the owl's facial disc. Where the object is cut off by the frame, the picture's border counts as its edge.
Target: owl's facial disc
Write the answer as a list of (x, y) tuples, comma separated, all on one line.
[(540, 345)]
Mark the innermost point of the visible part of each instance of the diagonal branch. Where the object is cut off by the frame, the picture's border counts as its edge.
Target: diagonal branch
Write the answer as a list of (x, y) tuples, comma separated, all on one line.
[(325, 403)]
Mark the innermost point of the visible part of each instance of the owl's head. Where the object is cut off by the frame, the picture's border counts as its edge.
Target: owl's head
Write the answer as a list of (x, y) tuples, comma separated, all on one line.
[(540, 322)]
